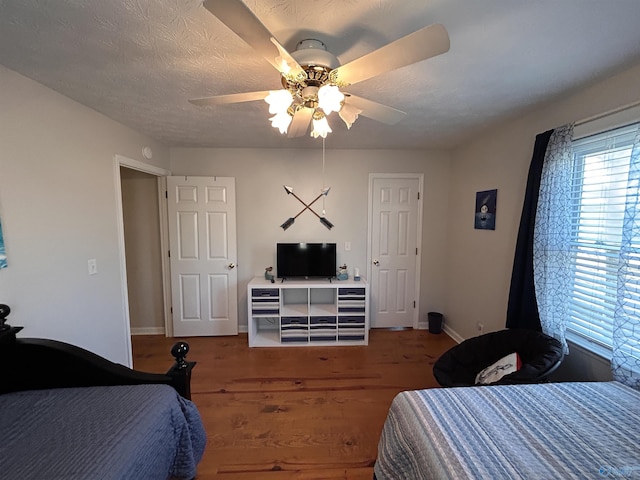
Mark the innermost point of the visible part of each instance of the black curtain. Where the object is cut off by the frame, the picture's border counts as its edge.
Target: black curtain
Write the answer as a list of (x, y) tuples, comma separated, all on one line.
[(522, 310)]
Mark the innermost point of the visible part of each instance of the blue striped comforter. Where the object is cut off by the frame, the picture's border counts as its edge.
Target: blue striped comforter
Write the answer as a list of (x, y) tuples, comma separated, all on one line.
[(545, 431), (141, 432)]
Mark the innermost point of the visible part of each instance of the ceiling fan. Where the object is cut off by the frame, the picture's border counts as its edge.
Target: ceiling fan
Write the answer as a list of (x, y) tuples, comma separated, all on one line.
[(312, 77)]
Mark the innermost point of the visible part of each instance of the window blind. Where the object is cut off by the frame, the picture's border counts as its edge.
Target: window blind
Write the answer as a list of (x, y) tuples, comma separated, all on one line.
[(598, 198)]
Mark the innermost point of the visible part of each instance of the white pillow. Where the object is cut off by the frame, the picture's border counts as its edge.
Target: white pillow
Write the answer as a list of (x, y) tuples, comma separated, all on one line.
[(506, 365)]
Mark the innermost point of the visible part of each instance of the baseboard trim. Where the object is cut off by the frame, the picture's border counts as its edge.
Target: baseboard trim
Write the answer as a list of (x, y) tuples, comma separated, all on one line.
[(453, 334), (147, 331)]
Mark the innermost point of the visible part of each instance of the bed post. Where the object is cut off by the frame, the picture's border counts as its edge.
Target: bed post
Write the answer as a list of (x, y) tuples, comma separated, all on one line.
[(180, 372)]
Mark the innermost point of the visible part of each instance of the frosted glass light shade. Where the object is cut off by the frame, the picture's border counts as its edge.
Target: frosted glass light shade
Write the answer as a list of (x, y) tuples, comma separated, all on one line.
[(281, 121), (320, 128), (330, 99), (279, 100), (349, 114)]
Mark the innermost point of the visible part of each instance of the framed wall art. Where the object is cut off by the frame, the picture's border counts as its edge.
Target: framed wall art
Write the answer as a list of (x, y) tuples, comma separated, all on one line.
[(485, 218)]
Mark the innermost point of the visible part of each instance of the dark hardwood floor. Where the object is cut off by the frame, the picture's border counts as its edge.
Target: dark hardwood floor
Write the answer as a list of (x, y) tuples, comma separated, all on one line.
[(297, 412)]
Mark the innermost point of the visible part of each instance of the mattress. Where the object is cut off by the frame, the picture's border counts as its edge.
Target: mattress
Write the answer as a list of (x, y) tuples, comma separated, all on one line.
[(119, 432), (542, 431)]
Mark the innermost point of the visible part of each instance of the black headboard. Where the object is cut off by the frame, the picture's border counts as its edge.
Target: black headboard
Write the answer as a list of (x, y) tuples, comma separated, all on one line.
[(36, 363)]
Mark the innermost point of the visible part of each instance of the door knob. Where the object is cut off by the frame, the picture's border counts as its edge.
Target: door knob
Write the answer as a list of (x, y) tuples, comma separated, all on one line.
[(376, 262), (231, 266)]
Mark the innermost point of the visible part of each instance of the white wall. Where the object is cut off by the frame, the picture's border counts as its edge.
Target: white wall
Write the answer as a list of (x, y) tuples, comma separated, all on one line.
[(479, 262), (58, 208), (263, 205)]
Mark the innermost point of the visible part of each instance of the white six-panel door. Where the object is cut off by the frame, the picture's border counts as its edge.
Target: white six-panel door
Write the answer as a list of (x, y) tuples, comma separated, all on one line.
[(202, 239), (393, 230)]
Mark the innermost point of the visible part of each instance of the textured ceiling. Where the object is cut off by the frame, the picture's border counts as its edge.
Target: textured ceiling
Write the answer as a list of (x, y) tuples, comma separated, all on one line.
[(139, 61)]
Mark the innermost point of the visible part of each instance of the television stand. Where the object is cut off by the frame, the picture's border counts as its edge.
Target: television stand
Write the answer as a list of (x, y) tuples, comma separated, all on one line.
[(308, 313)]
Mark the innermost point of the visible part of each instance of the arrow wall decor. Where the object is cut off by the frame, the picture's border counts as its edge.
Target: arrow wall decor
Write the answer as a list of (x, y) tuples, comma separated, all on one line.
[(290, 221)]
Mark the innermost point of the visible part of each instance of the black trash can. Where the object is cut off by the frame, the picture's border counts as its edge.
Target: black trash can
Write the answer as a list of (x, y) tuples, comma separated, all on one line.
[(435, 322)]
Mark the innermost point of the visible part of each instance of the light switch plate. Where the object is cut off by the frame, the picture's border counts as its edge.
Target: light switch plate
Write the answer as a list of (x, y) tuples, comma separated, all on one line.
[(92, 266)]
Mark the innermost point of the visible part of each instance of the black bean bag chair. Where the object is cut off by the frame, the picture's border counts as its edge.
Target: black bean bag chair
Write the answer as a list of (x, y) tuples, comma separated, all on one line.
[(540, 355)]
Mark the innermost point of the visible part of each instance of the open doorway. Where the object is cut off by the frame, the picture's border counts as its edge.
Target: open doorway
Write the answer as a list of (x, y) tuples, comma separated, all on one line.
[(142, 234)]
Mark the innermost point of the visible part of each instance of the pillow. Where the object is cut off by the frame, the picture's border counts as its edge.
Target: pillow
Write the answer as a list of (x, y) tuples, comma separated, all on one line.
[(506, 365)]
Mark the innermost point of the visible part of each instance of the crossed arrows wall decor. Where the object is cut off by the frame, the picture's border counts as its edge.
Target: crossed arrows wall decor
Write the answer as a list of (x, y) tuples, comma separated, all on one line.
[(291, 220)]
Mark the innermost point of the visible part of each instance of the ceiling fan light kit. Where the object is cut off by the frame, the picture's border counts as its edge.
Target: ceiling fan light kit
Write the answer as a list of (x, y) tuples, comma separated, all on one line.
[(312, 77), (314, 89)]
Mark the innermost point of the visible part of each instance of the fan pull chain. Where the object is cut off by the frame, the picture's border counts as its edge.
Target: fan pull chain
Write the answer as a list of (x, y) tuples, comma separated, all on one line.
[(324, 212)]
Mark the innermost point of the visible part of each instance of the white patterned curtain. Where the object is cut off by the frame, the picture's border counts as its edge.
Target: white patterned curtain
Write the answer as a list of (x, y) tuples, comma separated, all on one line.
[(625, 361), (552, 233)]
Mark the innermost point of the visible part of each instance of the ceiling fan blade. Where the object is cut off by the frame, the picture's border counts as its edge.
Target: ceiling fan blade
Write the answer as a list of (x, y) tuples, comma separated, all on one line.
[(241, 20), (300, 123), (375, 111), (288, 65), (231, 98), (425, 43)]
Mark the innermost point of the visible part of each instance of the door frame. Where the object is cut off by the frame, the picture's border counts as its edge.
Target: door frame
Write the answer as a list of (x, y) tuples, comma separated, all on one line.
[(420, 178), (122, 161)]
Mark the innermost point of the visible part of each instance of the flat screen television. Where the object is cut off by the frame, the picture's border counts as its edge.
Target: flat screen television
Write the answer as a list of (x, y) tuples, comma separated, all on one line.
[(306, 260)]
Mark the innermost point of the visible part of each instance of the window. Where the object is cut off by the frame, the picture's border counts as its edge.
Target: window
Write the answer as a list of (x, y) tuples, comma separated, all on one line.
[(598, 198)]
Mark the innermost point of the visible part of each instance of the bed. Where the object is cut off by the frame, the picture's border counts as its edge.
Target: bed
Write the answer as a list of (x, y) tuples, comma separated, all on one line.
[(67, 413), (547, 431)]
